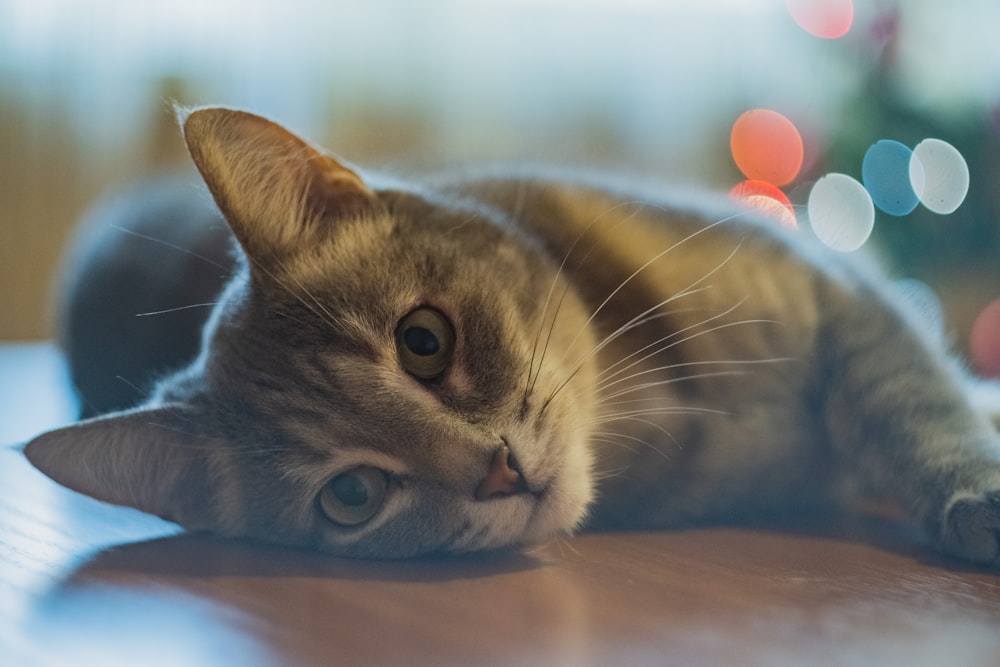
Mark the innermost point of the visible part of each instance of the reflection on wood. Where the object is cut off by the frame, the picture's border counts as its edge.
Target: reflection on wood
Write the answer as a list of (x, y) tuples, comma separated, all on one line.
[(87, 583)]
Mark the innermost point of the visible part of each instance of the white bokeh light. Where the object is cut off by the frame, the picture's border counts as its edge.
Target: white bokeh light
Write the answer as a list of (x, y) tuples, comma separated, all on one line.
[(939, 175), (841, 212)]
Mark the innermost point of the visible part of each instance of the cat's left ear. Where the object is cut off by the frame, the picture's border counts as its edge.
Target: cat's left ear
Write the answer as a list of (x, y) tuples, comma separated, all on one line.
[(278, 193), (143, 458)]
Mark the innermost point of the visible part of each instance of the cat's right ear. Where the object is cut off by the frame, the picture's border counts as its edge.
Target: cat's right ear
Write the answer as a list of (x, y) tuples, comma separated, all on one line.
[(145, 458), (278, 193)]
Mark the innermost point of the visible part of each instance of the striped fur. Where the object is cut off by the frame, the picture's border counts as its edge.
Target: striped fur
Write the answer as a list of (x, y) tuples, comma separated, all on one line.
[(649, 358)]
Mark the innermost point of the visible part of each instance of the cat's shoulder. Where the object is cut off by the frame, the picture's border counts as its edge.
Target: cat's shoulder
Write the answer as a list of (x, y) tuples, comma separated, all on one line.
[(512, 183), (545, 195), (542, 197)]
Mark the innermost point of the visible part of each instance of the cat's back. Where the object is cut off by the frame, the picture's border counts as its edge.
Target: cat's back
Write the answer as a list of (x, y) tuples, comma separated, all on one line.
[(573, 209), (620, 238)]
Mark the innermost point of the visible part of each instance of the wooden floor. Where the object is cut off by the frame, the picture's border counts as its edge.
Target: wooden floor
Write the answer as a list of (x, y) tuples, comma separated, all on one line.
[(86, 583)]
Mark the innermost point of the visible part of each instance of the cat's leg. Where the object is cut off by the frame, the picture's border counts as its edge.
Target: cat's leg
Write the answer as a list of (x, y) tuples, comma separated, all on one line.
[(900, 413)]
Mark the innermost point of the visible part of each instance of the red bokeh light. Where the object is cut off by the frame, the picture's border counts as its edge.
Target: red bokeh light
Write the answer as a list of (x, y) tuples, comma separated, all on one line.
[(766, 198), (984, 341), (766, 147)]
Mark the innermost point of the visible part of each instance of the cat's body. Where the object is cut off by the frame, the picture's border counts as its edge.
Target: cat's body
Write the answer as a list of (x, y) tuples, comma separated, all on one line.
[(140, 280), (494, 359)]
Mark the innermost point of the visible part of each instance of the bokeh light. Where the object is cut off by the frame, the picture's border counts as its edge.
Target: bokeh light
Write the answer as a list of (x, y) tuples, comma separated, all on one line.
[(828, 19), (984, 341), (766, 198), (841, 212), (890, 177), (766, 147), (940, 175)]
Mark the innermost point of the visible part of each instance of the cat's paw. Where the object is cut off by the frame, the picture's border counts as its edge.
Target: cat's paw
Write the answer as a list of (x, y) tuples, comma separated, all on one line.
[(971, 528)]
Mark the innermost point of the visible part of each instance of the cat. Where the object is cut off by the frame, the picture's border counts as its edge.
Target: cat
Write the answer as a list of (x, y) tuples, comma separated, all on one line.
[(497, 358)]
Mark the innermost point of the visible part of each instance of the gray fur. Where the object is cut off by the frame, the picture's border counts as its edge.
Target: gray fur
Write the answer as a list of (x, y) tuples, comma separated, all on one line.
[(651, 359)]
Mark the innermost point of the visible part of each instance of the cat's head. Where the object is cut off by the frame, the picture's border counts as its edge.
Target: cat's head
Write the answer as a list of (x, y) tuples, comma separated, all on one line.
[(390, 373)]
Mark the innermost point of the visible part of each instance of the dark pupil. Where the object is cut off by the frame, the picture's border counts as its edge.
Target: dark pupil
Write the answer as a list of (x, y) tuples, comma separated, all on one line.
[(421, 341), (350, 490)]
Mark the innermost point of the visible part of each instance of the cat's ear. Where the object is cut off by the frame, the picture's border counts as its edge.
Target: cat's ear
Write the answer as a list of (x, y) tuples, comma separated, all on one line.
[(278, 193), (142, 458)]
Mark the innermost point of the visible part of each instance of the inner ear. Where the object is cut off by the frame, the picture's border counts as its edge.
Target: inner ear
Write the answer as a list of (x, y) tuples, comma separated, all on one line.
[(279, 194)]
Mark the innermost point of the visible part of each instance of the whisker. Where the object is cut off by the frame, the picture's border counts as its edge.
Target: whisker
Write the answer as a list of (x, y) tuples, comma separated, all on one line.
[(315, 308), (470, 218), (654, 426), (548, 338), (642, 319), (659, 401), (529, 384), (600, 346), (650, 412), (661, 340), (167, 244), (687, 291), (330, 319), (178, 308), (662, 383), (609, 474), (289, 317), (567, 545), (133, 386), (687, 364), (646, 265), (646, 316), (609, 439), (637, 440)]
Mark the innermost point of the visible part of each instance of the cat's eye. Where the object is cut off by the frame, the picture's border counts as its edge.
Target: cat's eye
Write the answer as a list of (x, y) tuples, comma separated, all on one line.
[(425, 340), (354, 496)]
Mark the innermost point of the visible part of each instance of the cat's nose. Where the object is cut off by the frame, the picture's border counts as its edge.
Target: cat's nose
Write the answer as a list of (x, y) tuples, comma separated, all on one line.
[(503, 477)]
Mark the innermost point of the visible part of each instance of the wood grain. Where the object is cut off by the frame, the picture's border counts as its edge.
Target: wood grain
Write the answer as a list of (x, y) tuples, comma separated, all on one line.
[(86, 583)]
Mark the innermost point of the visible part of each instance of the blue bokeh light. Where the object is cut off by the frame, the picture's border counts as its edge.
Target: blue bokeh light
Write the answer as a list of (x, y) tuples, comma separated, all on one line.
[(885, 173)]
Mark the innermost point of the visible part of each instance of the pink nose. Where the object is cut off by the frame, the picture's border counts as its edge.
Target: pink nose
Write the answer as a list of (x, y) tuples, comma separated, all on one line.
[(501, 479)]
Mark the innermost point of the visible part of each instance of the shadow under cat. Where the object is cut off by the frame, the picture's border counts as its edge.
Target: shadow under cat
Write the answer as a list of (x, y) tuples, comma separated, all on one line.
[(206, 556), (203, 556)]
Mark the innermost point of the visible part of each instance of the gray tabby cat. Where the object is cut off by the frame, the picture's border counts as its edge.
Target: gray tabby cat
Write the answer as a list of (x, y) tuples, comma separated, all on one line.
[(498, 359)]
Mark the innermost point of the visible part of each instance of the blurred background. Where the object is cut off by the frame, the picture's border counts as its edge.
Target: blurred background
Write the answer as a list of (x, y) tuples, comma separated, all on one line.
[(649, 86)]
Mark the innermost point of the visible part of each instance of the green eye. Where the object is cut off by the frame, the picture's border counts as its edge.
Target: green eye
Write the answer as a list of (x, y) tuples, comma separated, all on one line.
[(426, 341), (353, 497)]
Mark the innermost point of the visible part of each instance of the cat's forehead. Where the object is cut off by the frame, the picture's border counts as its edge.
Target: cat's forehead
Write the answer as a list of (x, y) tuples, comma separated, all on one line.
[(410, 249), (406, 229)]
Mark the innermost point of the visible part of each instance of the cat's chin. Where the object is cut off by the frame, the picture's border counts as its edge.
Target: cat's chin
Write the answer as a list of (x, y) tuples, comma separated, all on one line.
[(558, 510), (559, 507)]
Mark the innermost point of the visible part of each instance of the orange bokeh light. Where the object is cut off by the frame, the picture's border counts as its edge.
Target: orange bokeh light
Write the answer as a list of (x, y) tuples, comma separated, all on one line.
[(766, 147), (768, 199)]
